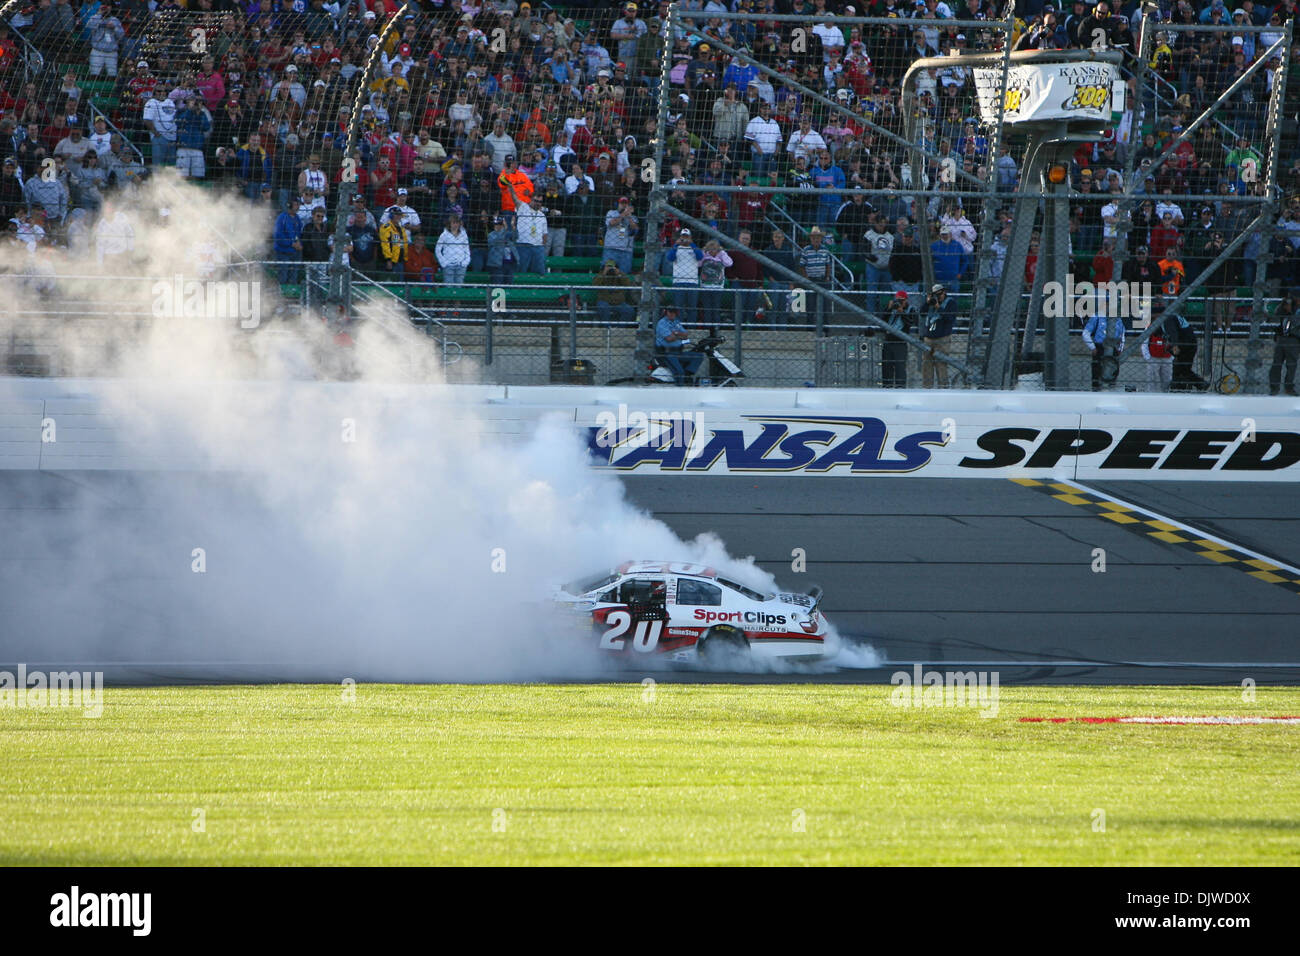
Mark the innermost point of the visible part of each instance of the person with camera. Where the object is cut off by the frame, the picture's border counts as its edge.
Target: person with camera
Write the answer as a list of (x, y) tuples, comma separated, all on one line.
[(684, 261), (1104, 337), (503, 253), (621, 228), (1159, 361), (901, 318), (615, 295), (1181, 339), (671, 339), (936, 331), (1286, 350)]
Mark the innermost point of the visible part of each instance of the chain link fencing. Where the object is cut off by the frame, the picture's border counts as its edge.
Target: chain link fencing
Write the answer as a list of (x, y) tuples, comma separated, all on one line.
[(785, 134)]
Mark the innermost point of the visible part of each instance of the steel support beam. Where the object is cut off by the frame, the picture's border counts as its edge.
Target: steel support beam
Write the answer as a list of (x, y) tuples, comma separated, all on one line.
[(977, 340), (1255, 345), (996, 372), (1186, 292), (868, 317), (647, 312), (348, 184)]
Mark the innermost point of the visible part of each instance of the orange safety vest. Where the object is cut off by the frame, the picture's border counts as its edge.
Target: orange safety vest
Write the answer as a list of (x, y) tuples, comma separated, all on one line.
[(1173, 270), (523, 188)]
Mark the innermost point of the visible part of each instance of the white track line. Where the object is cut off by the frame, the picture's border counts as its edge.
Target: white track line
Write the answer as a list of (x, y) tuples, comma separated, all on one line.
[(1186, 527)]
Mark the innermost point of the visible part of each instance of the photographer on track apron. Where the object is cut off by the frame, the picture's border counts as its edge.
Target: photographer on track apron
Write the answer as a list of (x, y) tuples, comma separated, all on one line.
[(1104, 336)]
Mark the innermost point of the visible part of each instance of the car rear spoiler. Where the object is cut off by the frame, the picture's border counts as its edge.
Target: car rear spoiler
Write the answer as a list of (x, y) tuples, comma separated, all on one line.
[(815, 593)]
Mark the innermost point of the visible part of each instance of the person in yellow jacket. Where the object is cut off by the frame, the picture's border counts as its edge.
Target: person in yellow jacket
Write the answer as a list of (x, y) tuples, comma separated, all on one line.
[(394, 84), (1162, 57), (394, 240)]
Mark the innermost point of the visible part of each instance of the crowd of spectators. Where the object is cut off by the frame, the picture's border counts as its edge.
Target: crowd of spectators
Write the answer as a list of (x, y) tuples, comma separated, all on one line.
[(496, 136)]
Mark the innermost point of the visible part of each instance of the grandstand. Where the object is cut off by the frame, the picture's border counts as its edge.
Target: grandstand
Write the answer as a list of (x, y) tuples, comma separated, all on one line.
[(823, 156)]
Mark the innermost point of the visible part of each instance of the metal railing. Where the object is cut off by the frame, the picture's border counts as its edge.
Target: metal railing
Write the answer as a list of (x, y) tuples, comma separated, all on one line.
[(531, 333)]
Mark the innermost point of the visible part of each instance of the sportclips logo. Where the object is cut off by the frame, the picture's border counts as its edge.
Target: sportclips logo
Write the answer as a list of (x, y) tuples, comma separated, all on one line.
[(738, 617), (857, 444)]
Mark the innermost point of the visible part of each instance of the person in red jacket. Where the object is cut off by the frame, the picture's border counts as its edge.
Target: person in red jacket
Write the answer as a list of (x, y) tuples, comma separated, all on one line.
[(747, 275), (420, 264), (385, 184), (1163, 236), (752, 206), (1103, 263)]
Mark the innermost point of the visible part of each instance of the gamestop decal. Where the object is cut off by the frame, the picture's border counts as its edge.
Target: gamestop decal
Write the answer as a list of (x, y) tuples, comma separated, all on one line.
[(923, 447)]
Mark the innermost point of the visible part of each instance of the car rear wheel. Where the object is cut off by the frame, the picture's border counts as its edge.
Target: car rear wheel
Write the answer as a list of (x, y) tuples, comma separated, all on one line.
[(723, 647)]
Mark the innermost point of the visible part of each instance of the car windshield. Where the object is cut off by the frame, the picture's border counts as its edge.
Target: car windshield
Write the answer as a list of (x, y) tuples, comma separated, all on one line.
[(747, 592), (583, 585)]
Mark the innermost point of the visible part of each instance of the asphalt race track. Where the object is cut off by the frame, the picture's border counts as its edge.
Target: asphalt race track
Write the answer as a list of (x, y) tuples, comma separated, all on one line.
[(992, 573), (979, 573)]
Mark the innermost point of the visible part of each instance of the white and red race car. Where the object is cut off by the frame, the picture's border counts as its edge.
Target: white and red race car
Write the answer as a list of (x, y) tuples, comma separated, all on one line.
[(690, 613)]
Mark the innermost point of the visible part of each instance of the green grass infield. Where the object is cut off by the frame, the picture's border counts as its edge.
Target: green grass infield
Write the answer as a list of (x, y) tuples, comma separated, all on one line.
[(647, 774)]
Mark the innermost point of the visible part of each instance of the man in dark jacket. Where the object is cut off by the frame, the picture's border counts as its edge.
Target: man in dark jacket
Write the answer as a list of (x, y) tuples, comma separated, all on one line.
[(1141, 268), (936, 331), (905, 263), (900, 317), (852, 222), (287, 244), (11, 191), (364, 239), (783, 253), (615, 298), (1286, 351), (315, 241), (1182, 346)]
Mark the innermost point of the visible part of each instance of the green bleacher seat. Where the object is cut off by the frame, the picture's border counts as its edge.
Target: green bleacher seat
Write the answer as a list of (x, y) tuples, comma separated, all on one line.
[(475, 294), (574, 263), (554, 278)]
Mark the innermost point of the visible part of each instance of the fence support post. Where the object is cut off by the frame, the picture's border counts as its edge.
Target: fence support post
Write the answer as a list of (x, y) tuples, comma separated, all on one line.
[(648, 310), (1255, 344), (573, 324), (738, 299), (487, 328)]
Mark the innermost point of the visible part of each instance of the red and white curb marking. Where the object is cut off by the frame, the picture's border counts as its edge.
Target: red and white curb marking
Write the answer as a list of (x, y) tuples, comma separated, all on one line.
[(1160, 720)]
